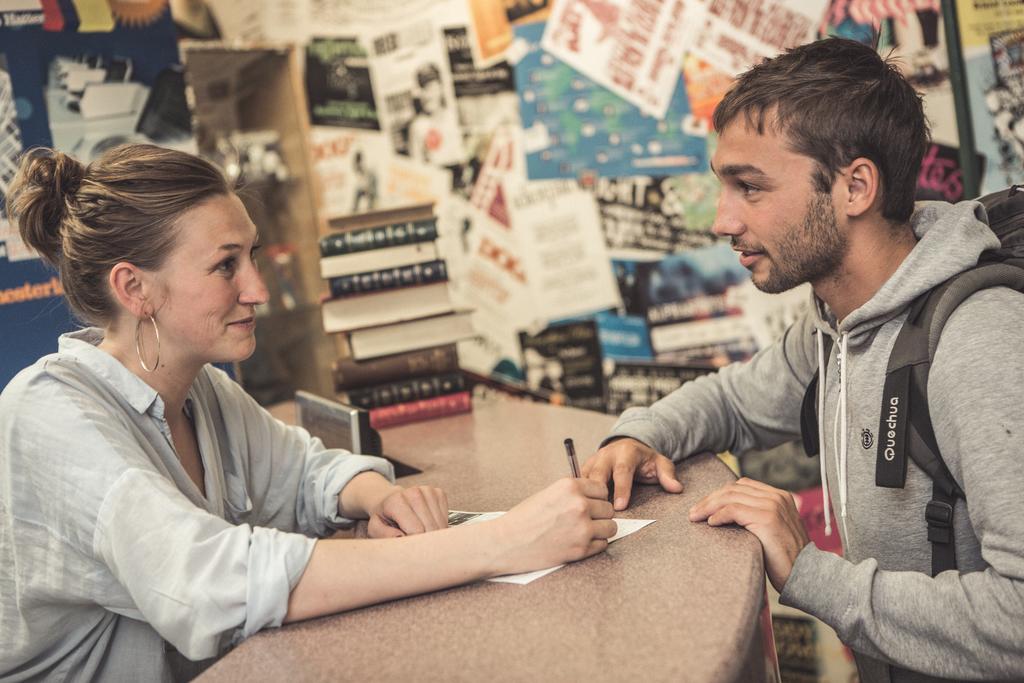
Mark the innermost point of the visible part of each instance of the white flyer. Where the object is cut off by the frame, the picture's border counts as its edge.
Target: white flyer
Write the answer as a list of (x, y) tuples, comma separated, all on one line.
[(635, 48), (563, 252), (738, 34), (416, 97)]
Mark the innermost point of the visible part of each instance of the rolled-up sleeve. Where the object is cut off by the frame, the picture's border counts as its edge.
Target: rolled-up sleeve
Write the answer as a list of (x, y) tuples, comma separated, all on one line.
[(326, 472), (292, 479), (195, 578)]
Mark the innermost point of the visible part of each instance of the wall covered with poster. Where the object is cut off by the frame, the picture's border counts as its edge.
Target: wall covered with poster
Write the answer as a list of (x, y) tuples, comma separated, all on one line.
[(81, 77)]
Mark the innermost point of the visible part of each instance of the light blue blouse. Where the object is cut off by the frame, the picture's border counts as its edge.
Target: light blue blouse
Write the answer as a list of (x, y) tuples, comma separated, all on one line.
[(108, 549)]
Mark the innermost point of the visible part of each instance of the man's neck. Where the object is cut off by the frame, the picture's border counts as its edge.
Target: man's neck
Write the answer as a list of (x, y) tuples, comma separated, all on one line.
[(875, 252)]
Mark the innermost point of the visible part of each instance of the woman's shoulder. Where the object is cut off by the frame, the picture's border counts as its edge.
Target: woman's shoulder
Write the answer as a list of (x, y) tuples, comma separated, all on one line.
[(39, 380)]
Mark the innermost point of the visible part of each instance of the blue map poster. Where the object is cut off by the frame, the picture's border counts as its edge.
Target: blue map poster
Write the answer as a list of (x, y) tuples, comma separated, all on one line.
[(575, 128)]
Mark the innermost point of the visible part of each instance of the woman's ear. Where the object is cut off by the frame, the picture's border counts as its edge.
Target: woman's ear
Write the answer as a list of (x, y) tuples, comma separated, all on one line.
[(863, 186), (130, 286)]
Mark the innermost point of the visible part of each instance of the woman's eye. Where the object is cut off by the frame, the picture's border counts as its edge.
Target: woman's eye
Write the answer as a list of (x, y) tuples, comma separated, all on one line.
[(227, 265)]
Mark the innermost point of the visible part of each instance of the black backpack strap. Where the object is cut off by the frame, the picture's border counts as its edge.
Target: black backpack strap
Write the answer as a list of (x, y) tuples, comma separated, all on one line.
[(809, 409), (906, 426), (938, 513)]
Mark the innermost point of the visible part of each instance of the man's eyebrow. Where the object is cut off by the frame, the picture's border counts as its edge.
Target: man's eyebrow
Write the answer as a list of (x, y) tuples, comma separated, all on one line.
[(733, 170)]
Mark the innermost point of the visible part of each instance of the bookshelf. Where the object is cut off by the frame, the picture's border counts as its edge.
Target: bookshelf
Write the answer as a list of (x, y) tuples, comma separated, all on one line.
[(251, 90)]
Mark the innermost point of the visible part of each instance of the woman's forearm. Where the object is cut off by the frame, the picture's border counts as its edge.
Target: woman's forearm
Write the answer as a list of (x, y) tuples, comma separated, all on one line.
[(344, 574), (569, 520)]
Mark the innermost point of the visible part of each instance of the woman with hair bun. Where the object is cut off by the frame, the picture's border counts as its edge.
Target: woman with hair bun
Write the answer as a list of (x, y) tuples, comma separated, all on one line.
[(151, 513)]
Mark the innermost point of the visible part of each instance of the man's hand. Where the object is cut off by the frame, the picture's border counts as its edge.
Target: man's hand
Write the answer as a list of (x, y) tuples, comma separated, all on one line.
[(624, 460), (768, 513), (408, 511)]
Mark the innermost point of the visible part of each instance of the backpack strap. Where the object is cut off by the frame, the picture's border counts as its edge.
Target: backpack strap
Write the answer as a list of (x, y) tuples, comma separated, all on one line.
[(905, 424), (809, 409), (905, 428)]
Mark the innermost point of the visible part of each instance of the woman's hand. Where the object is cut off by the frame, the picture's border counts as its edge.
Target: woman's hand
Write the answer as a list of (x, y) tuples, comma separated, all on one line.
[(392, 509), (408, 511), (567, 521)]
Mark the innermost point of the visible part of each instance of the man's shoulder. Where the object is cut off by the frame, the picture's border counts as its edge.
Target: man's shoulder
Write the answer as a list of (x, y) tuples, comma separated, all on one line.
[(987, 311), (984, 334)]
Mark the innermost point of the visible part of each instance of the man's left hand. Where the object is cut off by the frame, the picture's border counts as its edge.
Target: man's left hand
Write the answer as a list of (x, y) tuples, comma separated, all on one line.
[(768, 513)]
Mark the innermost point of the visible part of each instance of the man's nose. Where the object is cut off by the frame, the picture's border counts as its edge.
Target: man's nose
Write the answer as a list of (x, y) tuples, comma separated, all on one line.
[(727, 221)]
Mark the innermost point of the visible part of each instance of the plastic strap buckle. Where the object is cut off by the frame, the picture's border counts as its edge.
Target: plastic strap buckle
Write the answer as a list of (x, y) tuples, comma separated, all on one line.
[(939, 516)]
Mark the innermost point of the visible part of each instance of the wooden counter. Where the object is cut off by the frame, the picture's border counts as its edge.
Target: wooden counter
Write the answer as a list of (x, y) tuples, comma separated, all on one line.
[(675, 601)]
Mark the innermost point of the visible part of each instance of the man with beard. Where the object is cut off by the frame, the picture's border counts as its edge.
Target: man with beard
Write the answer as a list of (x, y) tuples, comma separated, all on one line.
[(818, 154)]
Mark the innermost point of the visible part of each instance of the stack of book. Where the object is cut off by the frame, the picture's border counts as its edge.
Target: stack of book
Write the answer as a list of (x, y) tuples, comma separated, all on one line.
[(389, 299)]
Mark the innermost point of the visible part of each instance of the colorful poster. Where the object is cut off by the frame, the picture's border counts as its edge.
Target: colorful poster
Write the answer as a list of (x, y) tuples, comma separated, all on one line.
[(468, 79), (623, 337), (563, 364), (769, 315), (492, 32), (626, 277), (338, 84), (941, 177), (96, 101), (521, 12), (632, 47), (492, 281), (705, 87), (349, 166), (979, 20), (691, 300), (575, 128), (740, 33), (81, 92), (995, 87), (641, 213), (10, 136), (417, 99), (693, 285), (500, 172), (639, 384)]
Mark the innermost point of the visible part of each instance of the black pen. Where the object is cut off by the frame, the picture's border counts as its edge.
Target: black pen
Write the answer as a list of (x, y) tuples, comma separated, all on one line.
[(570, 452)]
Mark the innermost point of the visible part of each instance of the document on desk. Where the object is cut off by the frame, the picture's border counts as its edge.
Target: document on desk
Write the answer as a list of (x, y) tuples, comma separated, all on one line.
[(456, 517)]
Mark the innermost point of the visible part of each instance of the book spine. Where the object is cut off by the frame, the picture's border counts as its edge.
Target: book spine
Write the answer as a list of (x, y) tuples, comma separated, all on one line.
[(389, 278), (416, 389), (352, 374), (403, 413), (365, 239)]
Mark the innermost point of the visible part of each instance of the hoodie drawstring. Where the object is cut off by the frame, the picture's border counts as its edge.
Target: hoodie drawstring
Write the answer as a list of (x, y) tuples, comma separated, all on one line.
[(839, 425), (821, 431)]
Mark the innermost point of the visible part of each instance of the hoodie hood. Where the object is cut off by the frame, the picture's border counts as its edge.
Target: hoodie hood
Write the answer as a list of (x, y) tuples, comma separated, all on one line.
[(951, 237)]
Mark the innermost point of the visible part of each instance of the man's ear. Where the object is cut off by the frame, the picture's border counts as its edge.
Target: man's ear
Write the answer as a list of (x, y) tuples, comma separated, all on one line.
[(130, 286), (862, 187)]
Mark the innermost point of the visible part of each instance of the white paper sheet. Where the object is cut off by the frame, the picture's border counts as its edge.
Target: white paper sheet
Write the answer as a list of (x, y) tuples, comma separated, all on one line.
[(456, 517)]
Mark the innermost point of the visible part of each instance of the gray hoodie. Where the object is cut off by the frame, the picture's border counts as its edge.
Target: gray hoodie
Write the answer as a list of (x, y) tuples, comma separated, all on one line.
[(880, 597)]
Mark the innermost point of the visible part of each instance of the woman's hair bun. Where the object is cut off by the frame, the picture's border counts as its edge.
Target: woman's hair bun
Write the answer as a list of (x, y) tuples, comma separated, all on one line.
[(45, 185)]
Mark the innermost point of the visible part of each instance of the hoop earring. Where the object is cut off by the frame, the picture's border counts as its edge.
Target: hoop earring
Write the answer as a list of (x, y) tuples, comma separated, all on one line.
[(138, 345)]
